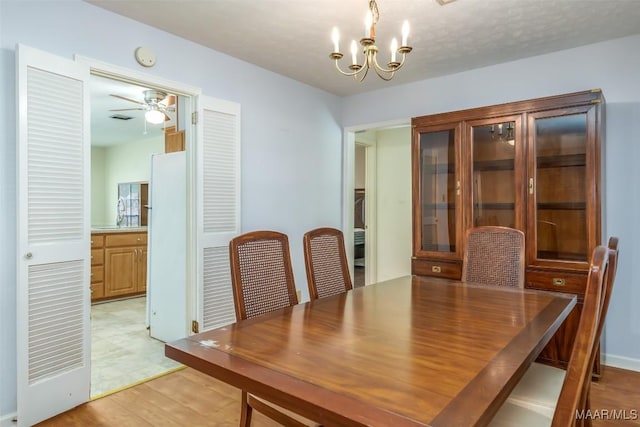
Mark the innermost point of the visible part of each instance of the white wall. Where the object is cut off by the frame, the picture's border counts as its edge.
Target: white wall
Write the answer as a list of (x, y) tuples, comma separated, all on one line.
[(291, 135), (110, 166), (130, 162), (98, 216), (614, 67), (393, 203), (291, 132), (360, 166)]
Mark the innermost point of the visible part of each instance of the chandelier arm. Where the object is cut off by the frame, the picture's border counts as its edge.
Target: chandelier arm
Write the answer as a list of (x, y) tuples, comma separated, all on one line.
[(354, 73), (378, 67), (366, 71), (383, 77)]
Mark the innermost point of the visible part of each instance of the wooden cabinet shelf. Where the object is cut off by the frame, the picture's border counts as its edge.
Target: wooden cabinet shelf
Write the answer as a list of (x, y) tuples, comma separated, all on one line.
[(495, 165), (532, 165), (441, 206), (446, 168), (560, 161), (562, 206), (495, 206)]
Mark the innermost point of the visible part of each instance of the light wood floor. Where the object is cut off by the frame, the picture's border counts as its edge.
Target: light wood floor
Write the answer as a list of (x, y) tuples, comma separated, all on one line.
[(189, 398)]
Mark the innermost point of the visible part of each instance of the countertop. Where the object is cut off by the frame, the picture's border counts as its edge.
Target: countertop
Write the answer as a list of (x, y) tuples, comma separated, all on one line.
[(115, 229)]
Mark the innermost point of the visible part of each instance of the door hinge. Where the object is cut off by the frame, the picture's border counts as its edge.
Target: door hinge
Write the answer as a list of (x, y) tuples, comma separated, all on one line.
[(194, 118), (195, 327)]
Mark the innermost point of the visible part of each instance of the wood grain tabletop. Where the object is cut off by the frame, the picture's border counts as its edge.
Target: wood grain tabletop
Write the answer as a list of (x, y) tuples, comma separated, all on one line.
[(412, 351)]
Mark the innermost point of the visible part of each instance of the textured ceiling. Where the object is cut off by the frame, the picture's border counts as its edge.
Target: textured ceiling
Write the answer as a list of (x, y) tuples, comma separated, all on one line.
[(293, 37)]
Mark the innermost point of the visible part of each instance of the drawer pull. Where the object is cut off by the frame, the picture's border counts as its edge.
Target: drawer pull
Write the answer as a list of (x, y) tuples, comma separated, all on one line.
[(557, 281), (436, 269)]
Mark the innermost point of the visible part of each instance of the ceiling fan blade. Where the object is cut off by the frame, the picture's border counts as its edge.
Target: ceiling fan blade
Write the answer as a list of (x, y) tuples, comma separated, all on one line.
[(166, 117), (127, 99), (128, 109)]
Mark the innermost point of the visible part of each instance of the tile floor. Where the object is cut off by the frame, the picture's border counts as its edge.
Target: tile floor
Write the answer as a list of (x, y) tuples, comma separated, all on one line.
[(122, 352)]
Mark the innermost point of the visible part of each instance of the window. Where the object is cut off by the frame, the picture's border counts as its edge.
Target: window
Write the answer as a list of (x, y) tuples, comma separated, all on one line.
[(132, 204)]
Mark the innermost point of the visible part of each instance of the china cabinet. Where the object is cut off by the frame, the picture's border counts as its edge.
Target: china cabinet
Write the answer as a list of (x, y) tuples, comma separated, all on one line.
[(532, 165)]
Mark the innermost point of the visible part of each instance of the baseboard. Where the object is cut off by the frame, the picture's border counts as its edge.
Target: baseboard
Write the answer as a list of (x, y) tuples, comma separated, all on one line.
[(7, 420), (621, 362)]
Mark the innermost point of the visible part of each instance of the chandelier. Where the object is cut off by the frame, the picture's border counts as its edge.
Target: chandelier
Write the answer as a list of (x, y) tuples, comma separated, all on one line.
[(370, 50)]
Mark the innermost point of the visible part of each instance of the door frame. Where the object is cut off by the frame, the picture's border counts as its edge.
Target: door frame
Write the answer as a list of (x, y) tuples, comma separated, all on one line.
[(127, 75), (348, 188)]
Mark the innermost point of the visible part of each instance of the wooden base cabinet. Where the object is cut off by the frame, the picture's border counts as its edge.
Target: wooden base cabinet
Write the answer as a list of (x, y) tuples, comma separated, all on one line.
[(532, 165), (97, 266), (125, 265)]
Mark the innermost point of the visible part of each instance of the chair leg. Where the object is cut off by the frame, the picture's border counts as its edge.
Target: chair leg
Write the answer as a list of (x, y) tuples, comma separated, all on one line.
[(246, 411), (586, 422)]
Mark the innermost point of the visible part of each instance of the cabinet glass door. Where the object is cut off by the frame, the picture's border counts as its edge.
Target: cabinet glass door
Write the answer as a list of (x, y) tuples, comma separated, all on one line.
[(438, 189), (561, 187), (493, 174)]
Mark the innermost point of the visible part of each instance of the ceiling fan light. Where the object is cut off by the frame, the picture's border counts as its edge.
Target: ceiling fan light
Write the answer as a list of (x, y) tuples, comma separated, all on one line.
[(154, 116)]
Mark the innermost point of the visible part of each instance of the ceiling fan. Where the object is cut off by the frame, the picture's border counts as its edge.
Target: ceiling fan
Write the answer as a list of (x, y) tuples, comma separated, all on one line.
[(156, 104)]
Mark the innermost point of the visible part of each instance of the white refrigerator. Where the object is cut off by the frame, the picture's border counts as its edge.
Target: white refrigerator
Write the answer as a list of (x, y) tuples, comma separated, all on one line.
[(166, 268)]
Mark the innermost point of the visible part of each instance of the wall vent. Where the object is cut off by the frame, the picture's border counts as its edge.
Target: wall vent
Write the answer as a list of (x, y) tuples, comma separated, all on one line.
[(121, 117)]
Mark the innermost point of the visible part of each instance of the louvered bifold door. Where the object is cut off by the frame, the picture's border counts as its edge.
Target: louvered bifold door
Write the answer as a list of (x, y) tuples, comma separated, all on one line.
[(218, 208), (53, 235)]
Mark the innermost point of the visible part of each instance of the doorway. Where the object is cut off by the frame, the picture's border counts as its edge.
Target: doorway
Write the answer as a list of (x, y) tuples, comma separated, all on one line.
[(123, 351), (379, 156), (62, 243), (360, 218)]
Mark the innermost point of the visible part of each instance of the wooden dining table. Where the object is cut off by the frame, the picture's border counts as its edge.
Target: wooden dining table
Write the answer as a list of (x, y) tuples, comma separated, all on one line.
[(413, 351)]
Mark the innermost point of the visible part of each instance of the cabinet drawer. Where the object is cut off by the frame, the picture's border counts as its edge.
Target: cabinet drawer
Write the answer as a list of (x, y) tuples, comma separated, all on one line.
[(97, 290), (557, 281), (97, 241), (448, 269), (97, 273), (125, 239), (97, 256)]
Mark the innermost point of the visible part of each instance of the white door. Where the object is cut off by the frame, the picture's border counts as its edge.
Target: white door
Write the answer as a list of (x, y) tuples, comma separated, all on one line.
[(53, 235), (166, 272), (218, 207)]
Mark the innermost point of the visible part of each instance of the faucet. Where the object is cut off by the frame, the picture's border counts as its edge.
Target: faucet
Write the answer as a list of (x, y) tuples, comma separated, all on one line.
[(120, 209)]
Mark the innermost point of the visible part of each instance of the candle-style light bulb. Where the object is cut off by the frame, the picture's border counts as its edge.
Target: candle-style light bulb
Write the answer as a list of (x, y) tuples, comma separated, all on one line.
[(368, 22), (394, 48), (405, 33), (335, 36), (354, 52)]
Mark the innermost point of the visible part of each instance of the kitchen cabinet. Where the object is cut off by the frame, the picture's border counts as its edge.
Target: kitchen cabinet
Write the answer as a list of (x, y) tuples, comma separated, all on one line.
[(532, 165), (124, 269), (173, 140), (97, 266)]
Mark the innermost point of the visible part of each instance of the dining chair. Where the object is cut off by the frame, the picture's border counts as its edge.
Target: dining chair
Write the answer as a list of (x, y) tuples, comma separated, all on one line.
[(494, 255), (559, 407), (262, 281), (326, 264), (540, 386)]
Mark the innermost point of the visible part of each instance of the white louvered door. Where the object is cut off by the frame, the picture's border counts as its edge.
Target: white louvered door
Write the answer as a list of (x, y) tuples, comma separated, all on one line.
[(218, 201), (53, 212)]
